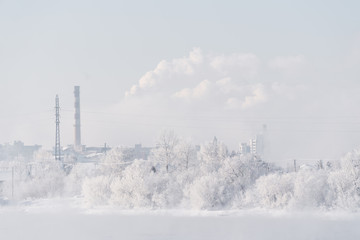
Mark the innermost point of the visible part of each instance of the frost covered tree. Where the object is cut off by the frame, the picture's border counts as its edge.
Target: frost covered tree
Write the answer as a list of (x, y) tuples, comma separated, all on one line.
[(165, 153), (345, 181), (42, 178), (97, 188), (140, 187), (275, 190), (114, 161), (186, 154), (212, 155), (244, 170), (213, 179)]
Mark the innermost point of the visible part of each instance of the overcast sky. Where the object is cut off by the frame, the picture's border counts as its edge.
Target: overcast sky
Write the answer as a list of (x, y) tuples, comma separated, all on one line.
[(202, 68)]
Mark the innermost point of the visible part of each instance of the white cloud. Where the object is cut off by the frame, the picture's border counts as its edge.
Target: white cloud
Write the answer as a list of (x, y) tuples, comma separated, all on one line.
[(165, 69), (161, 68), (258, 96), (148, 80), (246, 64), (233, 103), (232, 81), (287, 64), (132, 90), (288, 91), (201, 90), (227, 86), (196, 56), (170, 74)]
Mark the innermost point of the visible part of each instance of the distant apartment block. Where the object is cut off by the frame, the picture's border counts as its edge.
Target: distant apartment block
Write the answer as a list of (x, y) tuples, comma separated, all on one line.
[(18, 151), (255, 146)]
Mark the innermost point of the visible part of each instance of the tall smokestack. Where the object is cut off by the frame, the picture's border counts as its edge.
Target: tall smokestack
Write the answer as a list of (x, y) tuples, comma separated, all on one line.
[(77, 144)]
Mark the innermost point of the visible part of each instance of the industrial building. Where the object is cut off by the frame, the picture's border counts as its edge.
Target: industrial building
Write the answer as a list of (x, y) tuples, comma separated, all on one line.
[(82, 153)]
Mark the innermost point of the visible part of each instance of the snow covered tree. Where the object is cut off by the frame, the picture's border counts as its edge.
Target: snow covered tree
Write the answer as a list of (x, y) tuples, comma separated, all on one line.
[(114, 161), (165, 153), (345, 181), (212, 155), (186, 154)]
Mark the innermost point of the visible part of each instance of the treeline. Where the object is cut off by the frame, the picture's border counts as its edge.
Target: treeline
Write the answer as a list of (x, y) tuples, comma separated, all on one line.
[(176, 175)]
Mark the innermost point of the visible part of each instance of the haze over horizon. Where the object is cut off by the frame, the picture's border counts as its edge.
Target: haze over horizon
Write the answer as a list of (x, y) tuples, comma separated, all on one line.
[(203, 69)]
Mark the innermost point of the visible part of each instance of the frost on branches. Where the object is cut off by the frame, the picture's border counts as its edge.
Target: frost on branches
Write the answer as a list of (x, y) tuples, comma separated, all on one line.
[(178, 175)]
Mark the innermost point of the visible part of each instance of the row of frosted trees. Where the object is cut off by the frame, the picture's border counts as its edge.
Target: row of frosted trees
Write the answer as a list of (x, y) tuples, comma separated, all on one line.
[(177, 175)]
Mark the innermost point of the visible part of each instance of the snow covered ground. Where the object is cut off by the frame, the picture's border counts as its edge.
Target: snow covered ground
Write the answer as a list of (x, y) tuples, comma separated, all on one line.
[(62, 219)]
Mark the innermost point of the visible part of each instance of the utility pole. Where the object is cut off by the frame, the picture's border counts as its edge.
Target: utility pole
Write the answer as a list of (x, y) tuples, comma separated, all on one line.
[(57, 134), (295, 165), (105, 148), (12, 182), (77, 143)]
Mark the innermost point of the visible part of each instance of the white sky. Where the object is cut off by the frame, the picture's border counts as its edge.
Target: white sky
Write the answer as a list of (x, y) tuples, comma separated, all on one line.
[(202, 68)]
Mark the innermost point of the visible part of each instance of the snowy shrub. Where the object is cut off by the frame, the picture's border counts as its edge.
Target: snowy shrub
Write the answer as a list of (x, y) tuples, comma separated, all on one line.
[(311, 190), (301, 190), (345, 181), (96, 190), (208, 192), (271, 191), (131, 189), (38, 180), (167, 192), (140, 187), (73, 181)]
